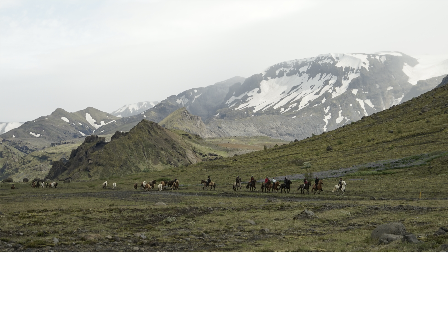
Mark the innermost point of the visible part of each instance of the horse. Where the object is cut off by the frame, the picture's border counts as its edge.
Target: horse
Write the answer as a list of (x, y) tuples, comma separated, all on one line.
[(266, 186), (175, 185), (160, 186), (212, 185), (341, 189), (318, 187), (237, 184), (275, 186), (152, 184), (286, 186), (304, 186), (53, 185), (252, 185), (104, 184)]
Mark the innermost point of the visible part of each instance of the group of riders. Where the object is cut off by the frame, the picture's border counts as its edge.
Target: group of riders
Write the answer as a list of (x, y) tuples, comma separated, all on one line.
[(273, 181)]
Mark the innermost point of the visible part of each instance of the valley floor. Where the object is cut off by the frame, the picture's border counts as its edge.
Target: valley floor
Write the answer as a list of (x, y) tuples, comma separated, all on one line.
[(84, 217)]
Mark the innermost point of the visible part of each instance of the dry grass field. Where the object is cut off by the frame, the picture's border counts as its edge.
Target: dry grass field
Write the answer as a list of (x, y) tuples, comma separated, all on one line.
[(85, 217)]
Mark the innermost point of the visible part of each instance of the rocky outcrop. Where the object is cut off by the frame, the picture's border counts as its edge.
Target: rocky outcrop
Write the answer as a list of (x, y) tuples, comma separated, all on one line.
[(387, 233), (146, 147), (444, 82)]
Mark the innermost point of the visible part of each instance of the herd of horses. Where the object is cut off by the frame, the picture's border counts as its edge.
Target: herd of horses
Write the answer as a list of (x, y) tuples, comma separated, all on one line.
[(170, 184), (43, 184), (285, 186)]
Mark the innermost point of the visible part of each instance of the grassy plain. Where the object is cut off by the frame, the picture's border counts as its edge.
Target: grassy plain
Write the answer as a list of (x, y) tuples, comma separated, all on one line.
[(84, 217)]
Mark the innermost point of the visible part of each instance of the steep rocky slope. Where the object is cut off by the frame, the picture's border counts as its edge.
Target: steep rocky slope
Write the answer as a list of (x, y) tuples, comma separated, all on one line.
[(147, 147), (181, 119)]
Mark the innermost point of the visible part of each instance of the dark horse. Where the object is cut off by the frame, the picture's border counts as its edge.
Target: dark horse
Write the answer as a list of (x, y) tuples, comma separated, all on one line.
[(286, 186), (304, 186), (251, 185)]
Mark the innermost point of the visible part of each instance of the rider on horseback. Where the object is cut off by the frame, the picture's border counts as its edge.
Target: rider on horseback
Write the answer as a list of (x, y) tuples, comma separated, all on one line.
[(252, 179), (208, 181), (238, 180), (266, 180), (340, 183)]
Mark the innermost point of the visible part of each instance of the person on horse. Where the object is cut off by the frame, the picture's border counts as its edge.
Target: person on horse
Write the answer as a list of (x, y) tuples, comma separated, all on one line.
[(285, 180), (208, 181), (316, 181), (305, 181), (266, 180), (238, 180), (274, 180), (252, 179), (340, 183)]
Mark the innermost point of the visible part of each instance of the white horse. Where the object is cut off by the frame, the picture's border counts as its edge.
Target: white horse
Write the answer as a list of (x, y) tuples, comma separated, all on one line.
[(53, 184), (160, 186), (342, 189), (104, 184)]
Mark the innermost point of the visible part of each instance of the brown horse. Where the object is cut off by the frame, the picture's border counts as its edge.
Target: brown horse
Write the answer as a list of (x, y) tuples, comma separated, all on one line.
[(275, 186), (317, 188), (304, 186), (251, 185), (266, 186), (175, 185), (212, 185)]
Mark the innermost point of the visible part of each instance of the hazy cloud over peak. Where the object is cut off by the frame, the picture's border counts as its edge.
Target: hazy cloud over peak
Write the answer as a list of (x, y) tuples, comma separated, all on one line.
[(73, 54)]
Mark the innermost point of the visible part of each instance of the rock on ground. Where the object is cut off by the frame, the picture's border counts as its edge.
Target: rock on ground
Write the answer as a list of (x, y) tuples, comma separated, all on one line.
[(394, 228), (387, 238), (410, 238)]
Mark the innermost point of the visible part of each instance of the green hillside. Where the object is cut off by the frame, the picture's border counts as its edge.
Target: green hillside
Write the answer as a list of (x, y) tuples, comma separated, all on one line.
[(147, 147), (414, 128)]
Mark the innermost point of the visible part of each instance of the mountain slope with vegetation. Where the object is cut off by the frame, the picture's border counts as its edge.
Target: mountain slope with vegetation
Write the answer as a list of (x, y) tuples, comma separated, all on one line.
[(182, 120), (415, 128)]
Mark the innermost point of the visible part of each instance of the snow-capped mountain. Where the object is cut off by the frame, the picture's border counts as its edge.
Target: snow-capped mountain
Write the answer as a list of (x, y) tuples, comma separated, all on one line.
[(319, 94), (7, 126), (134, 109), (60, 126)]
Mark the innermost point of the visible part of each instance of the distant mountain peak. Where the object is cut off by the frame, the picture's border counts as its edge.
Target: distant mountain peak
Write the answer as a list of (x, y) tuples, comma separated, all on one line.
[(134, 109)]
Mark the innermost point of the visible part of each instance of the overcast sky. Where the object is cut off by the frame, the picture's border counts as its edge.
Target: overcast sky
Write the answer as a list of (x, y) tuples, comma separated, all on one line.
[(105, 54)]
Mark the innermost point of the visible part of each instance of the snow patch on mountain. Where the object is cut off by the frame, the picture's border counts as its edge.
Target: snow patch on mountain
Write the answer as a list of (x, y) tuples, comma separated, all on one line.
[(92, 122), (427, 67), (35, 135), (7, 126), (65, 119)]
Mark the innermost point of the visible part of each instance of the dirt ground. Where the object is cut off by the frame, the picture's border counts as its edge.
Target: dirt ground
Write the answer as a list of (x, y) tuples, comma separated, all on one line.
[(76, 218)]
